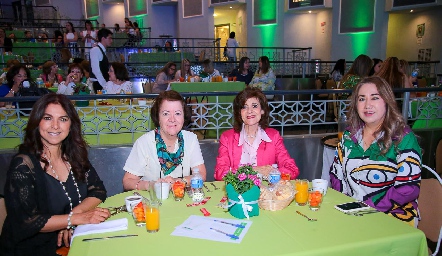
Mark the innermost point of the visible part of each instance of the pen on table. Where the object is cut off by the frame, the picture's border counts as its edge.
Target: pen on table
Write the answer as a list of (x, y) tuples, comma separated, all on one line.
[(233, 224), (222, 232), (106, 237)]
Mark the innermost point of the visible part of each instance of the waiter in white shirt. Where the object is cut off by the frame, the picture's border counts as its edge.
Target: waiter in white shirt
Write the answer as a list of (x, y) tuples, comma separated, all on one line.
[(99, 62)]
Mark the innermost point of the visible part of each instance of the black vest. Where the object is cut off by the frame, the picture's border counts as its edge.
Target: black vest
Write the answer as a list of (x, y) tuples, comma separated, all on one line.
[(104, 66)]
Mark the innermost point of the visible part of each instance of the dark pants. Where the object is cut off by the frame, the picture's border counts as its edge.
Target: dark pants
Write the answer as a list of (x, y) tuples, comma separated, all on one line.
[(97, 86)]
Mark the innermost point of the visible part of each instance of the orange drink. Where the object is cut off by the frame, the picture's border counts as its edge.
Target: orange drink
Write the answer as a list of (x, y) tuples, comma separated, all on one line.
[(152, 216), (230, 78), (301, 195), (234, 79), (181, 79), (315, 199), (285, 176), (178, 190)]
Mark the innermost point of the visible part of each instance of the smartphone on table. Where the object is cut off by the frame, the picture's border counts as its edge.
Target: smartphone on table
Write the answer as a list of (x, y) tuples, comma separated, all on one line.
[(352, 206)]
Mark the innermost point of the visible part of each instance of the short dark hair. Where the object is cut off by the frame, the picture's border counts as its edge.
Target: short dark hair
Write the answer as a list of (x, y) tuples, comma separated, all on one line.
[(169, 96), (75, 65), (240, 100), (120, 71), (73, 147), (232, 34), (13, 71), (104, 32), (90, 23)]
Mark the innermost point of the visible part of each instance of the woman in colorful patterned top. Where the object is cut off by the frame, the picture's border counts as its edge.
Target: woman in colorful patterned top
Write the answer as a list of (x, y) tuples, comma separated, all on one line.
[(264, 77), (378, 159), (167, 153)]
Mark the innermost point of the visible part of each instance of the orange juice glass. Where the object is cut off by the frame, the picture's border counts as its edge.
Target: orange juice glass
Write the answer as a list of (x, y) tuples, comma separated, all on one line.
[(234, 79), (152, 216), (301, 196)]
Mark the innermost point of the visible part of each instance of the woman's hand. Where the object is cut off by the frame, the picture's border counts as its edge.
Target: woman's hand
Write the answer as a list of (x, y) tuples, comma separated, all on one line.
[(64, 237), (93, 216), (167, 179)]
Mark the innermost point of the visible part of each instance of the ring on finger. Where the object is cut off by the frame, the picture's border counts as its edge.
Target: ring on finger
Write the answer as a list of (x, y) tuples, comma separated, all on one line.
[(61, 232)]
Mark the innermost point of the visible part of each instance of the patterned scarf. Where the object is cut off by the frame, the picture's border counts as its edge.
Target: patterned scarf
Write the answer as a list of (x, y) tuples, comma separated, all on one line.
[(169, 161)]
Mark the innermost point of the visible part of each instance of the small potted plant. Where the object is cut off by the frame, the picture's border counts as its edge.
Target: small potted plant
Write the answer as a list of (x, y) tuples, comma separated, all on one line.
[(242, 187), (81, 89)]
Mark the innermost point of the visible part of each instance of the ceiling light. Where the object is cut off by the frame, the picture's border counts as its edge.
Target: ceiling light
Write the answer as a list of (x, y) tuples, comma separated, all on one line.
[(309, 11), (230, 7), (214, 15), (411, 10)]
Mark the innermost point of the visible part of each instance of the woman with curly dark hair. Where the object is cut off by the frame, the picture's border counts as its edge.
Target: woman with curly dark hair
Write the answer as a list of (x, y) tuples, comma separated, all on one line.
[(378, 159), (51, 186), (251, 141)]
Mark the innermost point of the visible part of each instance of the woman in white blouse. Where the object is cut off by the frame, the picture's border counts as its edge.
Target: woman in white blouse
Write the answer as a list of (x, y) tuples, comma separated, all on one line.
[(75, 74), (118, 80), (89, 37)]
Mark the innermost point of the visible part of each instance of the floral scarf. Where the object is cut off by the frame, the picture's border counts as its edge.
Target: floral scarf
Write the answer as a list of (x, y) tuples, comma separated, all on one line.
[(169, 161)]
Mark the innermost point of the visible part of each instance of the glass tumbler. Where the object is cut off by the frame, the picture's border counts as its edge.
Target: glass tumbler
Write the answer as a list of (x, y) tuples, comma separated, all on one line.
[(301, 195), (152, 216)]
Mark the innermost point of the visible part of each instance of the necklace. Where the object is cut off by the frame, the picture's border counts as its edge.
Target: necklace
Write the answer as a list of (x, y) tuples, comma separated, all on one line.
[(61, 183), (251, 136)]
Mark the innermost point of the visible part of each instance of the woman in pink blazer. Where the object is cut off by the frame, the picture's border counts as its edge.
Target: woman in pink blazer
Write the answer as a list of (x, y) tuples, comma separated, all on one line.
[(251, 141)]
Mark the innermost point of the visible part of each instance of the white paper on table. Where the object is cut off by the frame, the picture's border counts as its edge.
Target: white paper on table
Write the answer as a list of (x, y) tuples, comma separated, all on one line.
[(199, 227), (103, 227)]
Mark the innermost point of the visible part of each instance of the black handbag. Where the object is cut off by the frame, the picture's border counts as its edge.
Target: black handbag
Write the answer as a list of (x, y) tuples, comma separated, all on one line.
[(31, 89)]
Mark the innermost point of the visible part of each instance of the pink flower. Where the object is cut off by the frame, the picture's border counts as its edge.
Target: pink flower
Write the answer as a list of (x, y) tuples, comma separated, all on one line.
[(252, 177), (257, 182), (242, 176)]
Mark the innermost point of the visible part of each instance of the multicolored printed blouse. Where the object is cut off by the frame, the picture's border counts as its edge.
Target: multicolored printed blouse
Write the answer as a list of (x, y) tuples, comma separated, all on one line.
[(390, 183)]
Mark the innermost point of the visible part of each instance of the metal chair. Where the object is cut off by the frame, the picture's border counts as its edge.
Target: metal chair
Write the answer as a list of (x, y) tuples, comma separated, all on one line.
[(430, 211)]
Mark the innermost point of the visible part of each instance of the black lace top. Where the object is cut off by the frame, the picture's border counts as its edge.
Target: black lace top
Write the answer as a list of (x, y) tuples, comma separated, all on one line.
[(29, 199)]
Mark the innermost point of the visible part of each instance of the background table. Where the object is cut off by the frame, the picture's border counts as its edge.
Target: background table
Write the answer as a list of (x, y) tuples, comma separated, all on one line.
[(272, 233)]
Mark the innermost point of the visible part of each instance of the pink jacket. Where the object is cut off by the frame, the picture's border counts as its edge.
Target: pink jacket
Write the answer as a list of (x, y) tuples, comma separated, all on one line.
[(229, 154)]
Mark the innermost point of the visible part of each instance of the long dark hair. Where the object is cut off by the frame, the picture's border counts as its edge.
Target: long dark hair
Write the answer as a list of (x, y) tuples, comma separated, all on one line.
[(339, 66), (240, 100), (166, 67), (241, 63), (265, 64), (73, 148), (13, 71)]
